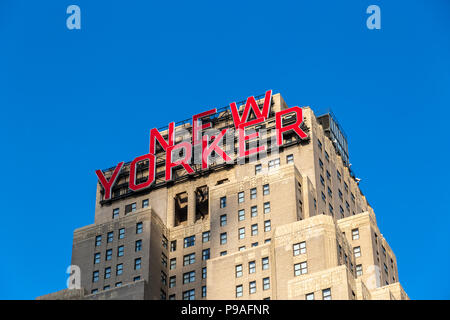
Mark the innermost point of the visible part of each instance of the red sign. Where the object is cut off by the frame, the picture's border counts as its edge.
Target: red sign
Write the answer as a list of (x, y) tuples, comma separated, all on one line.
[(208, 144)]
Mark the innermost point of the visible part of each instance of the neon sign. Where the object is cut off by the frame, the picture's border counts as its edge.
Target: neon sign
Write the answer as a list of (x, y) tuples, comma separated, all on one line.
[(180, 154)]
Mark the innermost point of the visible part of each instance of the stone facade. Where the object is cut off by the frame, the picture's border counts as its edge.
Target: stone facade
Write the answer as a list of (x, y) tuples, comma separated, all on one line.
[(290, 225)]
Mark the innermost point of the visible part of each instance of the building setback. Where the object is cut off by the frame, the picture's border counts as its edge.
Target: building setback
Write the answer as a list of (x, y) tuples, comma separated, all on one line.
[(290, 225)]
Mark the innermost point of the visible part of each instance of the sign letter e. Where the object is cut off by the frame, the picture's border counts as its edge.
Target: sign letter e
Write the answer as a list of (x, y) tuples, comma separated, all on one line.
[(74, 20)]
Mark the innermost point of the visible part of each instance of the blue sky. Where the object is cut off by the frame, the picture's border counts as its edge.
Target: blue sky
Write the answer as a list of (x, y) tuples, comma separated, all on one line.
[(73, 101)]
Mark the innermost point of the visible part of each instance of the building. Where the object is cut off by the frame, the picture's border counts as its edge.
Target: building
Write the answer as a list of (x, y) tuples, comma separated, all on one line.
[(293, 224)]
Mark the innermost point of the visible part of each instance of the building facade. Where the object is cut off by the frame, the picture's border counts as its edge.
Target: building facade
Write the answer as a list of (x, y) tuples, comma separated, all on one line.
[(291, 224)]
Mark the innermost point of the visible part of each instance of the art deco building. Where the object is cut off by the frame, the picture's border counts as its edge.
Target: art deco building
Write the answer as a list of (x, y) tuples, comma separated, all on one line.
[(292, 225)]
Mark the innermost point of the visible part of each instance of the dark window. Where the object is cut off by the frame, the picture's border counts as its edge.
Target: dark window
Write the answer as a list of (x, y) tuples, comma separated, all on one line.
[(98, 241), (189, 241), (120, 250), (137, 264), (139, 227), (138, 246)]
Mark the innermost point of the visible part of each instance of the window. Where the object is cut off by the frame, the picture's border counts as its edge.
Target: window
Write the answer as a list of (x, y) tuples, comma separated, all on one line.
[(239, 291), (189, 259), (223, 253), (252, 287), (300, 268), (254, 244), (118, 284), (338, 174), (203, 291), (163, 282), (137, 264), (137, 278), (322, 180), (94, 291), (173, 263), (265, 263), (172, 297), (172, 281), (95, 276), (241, 233), (266, 207), (205, 254), (310, 296), (353, 197), (120, 251), (290, 158), (266, 189), (115, 213), (108, 273), (164, 241), (205, 236), (139, 227), (267, 226), (324, 198), (189, 295), (266, 283), (346, 186), (173, 245), (327, 157), (254, 211), (330, 193), (386, 268), (253, 193), (274, 163), (326, 294), (189, 241), (328, 175), (108, 254), (238, 270), (97, 258), (106, 287), (319, 144), (119, 269), (223, 202), (130, 207), (223, 220), (145, 203), (121, 233), (384, 250), (341, 210), (320, 164), (241, 215), (357, 251), (355, 234), (98, 241), (359, 270), (188, 277), (267, 240), (242, 248), (347, 205), (252, 267), (204, 273), (254, 229), (258, 168), (138, 245), (110, 237), (241, 197), (330, 208), (340, 194), (223, 238), (164, 260)]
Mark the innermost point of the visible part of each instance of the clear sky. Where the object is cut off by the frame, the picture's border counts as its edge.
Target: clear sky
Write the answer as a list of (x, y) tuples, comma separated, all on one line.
[(73, 101)]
